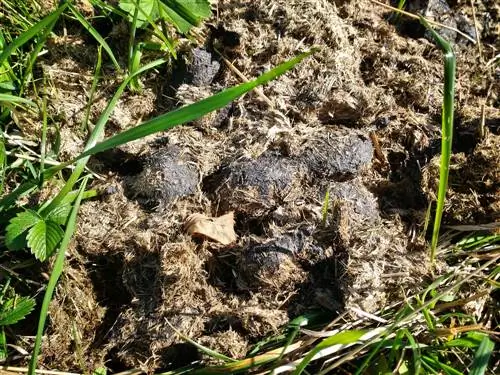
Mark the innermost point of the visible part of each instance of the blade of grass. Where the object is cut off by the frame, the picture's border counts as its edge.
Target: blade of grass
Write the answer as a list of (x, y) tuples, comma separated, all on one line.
[(204, 349), (482, 356), (54, 277), (22, 190), (324, 209), (133, 50), (192, 111), (96, 35), (95, 80), (446, 130), (436, 364), (247, 363), (342, 338), (44, 134), (3, 162), (31, 32), (34, 55), (15, 99)]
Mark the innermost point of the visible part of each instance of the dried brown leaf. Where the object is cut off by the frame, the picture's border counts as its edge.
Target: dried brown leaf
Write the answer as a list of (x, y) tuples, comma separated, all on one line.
[(219, 229)]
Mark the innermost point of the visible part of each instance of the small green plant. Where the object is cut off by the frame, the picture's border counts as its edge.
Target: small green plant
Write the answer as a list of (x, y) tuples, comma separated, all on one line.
[(13, 308), (156, 14), (446, 130)]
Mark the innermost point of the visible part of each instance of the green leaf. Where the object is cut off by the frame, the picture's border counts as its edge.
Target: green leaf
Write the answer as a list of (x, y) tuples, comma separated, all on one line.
[(185, 14), (31, 33), (147, 10), (3, 344), (7, 85), (482, 356), (43, 238), (3, 163), (54, 277), (15, 99), (437, 365), (472, 340), (15, 309), (447, 116), (100, 371), (15, 236), (60, 214)]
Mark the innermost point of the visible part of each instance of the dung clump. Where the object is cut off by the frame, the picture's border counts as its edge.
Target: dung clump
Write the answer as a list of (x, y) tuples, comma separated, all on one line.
[(342, 108), (166, 175), (270, 264), (361, 201), (253, 186), (337, 156), (202, 68)]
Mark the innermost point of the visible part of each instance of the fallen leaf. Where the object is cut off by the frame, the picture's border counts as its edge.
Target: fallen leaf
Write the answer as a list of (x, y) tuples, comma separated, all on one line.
[(219, 229)]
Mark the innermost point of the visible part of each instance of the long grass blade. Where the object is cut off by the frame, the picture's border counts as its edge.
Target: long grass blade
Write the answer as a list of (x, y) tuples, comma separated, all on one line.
[(93, 89), (95, 34), (31, 32), (54, 277), (3, 163), (446, 130), (342, 338), (192, 111), (15, 99), (482, 357)]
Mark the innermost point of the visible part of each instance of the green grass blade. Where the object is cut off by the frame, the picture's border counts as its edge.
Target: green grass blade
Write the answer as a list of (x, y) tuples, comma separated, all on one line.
[(446, 130), (20, 191), (31, 32), (342, 338), (3, 163), (43, 143), (95, 34), (15, 99), (27, 74), (93, 88), (54, 277), (437, 365), (482, 356), (204, 349), (192, 111)]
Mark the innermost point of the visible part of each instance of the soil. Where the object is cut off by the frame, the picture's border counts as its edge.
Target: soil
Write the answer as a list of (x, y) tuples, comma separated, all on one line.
[(360, 120)]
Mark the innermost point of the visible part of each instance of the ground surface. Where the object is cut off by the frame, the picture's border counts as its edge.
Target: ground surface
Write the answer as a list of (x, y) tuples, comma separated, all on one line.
[(360, 119)]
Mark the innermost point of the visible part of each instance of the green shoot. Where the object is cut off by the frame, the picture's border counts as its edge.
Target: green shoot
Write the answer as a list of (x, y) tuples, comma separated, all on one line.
[(93, 88), (31, 33), (95, 34), (54, 277), (482, 357), (446, 131)]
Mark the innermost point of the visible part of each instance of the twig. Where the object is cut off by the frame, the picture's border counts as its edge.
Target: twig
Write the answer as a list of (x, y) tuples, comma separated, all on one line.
[(411, 15), (236, 71), (460, 302), (493, 60), (378, 150), (478, 40)]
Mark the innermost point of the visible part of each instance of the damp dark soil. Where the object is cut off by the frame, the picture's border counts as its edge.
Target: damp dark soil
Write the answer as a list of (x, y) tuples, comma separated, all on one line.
[(358, 122)]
